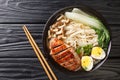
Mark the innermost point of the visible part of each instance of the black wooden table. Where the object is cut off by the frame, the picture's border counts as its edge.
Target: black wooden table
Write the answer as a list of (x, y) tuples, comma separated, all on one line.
[(17, 58)]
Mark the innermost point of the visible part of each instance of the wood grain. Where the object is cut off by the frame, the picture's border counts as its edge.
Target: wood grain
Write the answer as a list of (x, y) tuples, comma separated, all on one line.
[(38, 11)]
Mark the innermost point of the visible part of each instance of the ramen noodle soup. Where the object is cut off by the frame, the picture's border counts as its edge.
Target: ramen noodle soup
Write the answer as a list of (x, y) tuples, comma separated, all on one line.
[(77, 40)]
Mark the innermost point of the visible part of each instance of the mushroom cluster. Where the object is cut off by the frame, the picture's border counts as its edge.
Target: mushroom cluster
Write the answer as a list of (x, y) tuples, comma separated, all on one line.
[(57, 29)]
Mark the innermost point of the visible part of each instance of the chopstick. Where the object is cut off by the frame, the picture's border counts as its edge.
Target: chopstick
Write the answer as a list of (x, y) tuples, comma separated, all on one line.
[(40, 56)]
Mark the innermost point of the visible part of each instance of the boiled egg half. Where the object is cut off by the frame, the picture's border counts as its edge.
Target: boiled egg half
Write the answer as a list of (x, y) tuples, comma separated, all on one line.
[(98, 53), (87, 63)]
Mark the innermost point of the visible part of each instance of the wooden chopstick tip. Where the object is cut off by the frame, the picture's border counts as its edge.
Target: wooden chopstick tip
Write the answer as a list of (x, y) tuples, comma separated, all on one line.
[(24, 26)]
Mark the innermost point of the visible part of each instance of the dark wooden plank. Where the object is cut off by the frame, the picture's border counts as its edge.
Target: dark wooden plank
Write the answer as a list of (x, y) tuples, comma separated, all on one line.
[(36, 11), (13, 42), (21, 69), (30, 69)]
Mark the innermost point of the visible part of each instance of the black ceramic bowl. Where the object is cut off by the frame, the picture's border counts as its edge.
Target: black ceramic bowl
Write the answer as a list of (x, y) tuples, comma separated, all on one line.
[(53, 18)]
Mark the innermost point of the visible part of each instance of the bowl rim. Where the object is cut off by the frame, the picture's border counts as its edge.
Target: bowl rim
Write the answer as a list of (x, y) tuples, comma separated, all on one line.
[(88, 10)]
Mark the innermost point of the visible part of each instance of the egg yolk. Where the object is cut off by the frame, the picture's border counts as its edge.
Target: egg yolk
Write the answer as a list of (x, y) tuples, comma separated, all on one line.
[(97, 51), (86, 61)]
